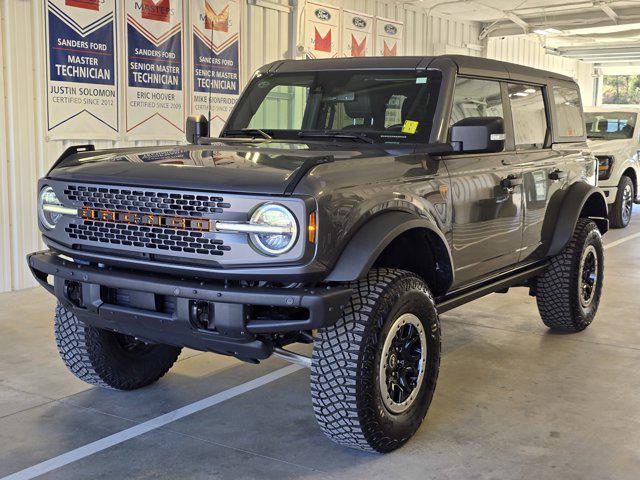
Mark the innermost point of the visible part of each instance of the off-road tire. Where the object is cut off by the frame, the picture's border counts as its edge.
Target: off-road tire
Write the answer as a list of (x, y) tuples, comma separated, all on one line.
[(345, 389), (97, 357), (617, 218), (557, 292)]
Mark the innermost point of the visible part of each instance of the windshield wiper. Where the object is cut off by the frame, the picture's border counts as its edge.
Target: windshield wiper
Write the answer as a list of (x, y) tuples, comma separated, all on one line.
[(338, 135), (248, 132)]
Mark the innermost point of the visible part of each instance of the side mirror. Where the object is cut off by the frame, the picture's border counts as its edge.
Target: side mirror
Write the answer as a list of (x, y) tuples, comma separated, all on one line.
[(478, 135), (197, 126)]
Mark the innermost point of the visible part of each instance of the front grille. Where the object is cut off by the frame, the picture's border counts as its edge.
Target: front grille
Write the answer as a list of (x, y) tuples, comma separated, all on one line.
[(146, 237), (146, 201), (141, 237)]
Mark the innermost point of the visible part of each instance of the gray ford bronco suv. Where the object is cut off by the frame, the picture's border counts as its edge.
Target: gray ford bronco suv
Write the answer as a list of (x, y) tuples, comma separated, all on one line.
[(346, 204)]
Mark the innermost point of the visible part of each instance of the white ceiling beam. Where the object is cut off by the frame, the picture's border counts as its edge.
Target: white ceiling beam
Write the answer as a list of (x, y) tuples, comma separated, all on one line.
[(568, 20), (608, 11), (518, 21)]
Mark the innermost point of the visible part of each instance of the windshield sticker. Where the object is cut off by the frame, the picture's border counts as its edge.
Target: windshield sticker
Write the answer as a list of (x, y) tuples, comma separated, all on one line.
[(421, 80), (410, 127)]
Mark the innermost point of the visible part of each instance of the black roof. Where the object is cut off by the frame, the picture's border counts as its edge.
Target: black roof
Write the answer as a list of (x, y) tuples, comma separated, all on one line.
[(466, 65)]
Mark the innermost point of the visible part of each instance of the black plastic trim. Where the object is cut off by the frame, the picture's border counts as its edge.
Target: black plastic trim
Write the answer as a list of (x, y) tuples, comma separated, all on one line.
[(499, 282), (324, 304)]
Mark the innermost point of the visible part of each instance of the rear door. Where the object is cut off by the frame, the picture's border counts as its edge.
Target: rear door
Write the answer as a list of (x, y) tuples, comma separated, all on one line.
[(487, 218), (543, 168)]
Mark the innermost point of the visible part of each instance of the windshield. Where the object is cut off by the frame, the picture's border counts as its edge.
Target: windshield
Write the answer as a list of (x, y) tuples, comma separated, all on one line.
[(610, 125), (376, 107)]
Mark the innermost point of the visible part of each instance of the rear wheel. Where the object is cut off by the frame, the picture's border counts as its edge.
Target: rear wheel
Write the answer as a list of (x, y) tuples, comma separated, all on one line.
[(622, 209), (568, 293), (374, 372), (108, 359)]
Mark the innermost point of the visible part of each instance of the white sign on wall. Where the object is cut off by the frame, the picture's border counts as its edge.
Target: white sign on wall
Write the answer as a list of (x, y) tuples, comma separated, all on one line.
[(357, 34), (82, 74), (215, 53), (322, 30), (154, 94), (389, 36)]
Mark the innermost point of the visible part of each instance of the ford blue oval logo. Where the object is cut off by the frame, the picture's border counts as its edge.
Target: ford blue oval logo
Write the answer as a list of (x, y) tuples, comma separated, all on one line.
[(390, 29), (359, 22), (322, 14)]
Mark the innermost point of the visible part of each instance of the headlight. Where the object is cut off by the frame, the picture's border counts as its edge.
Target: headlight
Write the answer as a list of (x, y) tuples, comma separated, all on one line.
[(605, 166), (49, 208), (279, 229)]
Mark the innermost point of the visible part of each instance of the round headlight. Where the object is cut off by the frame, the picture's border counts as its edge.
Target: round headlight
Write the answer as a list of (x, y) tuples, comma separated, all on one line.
[(280, 229), (48, 218)]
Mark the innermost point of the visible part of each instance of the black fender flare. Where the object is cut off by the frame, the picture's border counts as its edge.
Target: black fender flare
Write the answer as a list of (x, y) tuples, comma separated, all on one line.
[(580, 197), (373, 237)]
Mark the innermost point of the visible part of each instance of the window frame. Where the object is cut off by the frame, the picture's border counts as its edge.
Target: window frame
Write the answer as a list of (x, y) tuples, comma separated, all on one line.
[(548, 140), (557, 138), (509, 142)]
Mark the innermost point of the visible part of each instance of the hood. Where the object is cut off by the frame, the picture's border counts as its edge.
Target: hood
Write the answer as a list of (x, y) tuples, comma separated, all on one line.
[(247, 167), (611, 147)]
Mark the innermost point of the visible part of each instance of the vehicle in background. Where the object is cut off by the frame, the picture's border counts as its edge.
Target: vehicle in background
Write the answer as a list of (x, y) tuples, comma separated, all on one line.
[(613, 135)]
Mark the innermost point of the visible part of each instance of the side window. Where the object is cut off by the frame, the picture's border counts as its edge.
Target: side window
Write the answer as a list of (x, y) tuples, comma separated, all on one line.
[(529, 117), (476, 98), (568, 111)]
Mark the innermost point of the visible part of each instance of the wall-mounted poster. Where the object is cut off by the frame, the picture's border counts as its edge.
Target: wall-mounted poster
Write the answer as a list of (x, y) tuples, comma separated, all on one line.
[(215, 46), (82, 83), (322, 31), (389, 35), (357, 34), (154, 65)]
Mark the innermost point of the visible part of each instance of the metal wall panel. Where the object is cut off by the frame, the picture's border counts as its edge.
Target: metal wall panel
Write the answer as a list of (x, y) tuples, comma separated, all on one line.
[(529, 51), (267, 28)]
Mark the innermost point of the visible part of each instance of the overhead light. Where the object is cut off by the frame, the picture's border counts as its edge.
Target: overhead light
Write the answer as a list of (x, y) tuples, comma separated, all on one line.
[(547, 31)]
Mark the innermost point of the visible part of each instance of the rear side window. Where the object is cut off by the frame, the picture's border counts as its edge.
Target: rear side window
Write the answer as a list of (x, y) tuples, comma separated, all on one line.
[(568, 111), (529, 116), (476, 98)]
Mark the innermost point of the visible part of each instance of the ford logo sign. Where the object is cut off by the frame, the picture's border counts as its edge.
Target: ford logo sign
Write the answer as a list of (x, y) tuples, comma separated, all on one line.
[(322, 14), (390, 29), (359, 22)]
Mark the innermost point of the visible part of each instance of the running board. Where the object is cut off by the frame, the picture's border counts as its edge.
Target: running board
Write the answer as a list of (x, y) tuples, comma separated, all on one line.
[(467, 294)]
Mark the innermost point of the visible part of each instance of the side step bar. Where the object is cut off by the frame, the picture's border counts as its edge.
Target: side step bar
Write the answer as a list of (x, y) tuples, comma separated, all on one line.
[(467, 294)]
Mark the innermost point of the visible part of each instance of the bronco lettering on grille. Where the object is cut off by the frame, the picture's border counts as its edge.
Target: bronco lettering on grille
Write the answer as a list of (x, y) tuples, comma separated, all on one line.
[(146, 219)]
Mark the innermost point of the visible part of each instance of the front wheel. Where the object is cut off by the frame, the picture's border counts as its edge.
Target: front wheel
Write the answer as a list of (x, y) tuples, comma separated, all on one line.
[(568, 293), (374, 372), (108, 359), (622, 209)]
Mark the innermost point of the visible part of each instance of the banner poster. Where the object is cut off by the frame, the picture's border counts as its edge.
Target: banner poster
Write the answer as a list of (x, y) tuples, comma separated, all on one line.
[(357, 34), (322, 31), (389, 35), (215, 80), (154, 96), (82, 83)]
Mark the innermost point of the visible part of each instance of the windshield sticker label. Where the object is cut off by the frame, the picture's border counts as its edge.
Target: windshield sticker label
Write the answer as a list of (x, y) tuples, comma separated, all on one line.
[(410, 127)]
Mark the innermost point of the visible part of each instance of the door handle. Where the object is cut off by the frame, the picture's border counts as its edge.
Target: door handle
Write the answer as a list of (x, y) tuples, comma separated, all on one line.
[(557, 175), (511, 182)]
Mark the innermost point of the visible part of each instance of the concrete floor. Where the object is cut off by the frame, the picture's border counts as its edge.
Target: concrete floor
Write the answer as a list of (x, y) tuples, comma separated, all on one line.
[(513, 401)]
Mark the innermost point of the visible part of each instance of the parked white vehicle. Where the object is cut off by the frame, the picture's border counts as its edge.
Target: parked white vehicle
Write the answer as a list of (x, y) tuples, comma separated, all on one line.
[(613, 135)]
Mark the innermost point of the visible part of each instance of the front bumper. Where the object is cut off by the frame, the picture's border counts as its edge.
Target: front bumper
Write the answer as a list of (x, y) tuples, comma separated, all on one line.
[(163, 308)]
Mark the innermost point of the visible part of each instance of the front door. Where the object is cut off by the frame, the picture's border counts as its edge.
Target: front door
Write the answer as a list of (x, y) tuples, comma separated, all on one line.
[(487, 217)]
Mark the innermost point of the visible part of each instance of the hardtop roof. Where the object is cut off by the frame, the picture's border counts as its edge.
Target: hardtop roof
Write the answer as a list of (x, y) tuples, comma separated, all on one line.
[(466, 65)]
